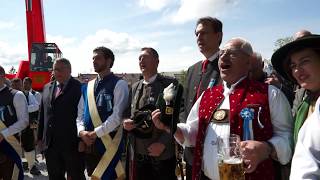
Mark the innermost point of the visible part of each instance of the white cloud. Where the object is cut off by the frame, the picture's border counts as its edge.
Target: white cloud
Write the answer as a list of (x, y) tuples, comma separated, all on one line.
[(12, 55), (191, 9), (63, 41), (181, 11), (155, 5), (7, 25), (119, 42), (124, 46)]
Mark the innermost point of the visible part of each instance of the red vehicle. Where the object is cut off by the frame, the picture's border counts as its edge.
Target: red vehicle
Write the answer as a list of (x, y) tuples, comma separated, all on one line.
[(41, 55)]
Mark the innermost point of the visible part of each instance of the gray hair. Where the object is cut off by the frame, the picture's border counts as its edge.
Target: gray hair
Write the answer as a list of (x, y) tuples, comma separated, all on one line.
[(64, 61), (245, 46)]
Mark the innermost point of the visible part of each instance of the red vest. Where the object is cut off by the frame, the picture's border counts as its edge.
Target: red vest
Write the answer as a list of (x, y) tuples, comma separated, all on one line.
[(249, 94)]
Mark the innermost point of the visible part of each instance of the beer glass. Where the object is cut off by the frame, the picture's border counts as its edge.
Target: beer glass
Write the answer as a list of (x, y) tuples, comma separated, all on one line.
[(230, 158)]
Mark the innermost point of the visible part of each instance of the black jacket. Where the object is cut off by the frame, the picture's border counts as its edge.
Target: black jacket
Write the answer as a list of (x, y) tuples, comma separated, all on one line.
[(57, 122)]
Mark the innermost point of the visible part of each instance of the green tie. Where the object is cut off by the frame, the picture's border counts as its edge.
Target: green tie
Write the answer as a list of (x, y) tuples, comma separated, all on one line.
[(300, 118)]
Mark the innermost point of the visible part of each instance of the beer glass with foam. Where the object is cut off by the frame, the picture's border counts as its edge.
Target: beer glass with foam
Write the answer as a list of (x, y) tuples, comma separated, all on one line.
[(230, 158)]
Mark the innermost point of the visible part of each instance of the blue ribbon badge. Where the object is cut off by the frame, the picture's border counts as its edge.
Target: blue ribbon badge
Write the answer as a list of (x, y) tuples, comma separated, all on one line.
[(247, 114)]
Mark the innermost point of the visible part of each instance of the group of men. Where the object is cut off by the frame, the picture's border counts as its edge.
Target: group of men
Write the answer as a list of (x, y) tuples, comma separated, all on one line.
[(13, 108), (83, 126), (28, 135)]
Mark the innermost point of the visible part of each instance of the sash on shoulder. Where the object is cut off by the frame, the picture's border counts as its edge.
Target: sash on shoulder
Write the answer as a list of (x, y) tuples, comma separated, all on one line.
[(111, 145), (12, 148)]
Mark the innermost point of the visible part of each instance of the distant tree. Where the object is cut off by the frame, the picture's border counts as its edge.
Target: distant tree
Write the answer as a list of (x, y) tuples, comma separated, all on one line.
[(182, 77), (282, 41), (12, 70)]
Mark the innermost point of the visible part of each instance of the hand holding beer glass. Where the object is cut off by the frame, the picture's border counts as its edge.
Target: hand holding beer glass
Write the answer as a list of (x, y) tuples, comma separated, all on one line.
[(230, 158)]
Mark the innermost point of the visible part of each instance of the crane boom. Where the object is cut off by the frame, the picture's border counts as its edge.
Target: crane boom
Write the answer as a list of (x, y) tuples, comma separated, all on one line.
[(41, 55), (35, 23)]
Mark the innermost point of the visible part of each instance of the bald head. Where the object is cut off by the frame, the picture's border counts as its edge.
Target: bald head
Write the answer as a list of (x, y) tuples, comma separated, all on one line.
[(241, 44), (301, 33), (234, 61)]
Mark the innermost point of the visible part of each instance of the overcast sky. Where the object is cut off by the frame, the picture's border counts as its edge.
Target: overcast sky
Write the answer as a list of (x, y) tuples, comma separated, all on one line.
[(78, 26)]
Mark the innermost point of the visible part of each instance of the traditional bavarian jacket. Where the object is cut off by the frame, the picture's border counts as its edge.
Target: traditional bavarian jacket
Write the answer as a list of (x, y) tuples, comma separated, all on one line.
[(306, 158), (13, 111), (274, 116), (111, 96), (156, 85), (13, 119)]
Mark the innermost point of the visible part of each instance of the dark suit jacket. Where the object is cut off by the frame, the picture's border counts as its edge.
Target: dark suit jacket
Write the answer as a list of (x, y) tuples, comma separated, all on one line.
[(57, 122), (193, 78)]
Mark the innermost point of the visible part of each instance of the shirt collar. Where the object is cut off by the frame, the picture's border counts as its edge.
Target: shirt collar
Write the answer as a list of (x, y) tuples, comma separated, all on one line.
[(99, 78), (228, 90), (150, 80), (214, 56), (64, 83)]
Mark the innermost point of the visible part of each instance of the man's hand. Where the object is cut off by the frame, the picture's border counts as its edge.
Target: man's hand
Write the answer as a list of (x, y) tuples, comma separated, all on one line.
[(273, 80), (156, 121), (84, 135), (254, 152), (155, 149), (128, 124), (92, 135)]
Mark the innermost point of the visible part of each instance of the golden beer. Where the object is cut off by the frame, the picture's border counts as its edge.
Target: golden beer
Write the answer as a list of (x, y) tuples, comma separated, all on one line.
[(231, 169)]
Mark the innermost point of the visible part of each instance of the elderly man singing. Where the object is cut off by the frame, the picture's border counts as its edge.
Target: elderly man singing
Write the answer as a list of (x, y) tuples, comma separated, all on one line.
[(257, 112)]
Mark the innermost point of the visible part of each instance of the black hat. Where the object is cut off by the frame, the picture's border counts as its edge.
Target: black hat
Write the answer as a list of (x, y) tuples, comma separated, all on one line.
[(280, 58)]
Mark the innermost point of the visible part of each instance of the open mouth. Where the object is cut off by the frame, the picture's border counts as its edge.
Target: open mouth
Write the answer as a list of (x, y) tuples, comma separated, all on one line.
[(142, 67), (225, 66)]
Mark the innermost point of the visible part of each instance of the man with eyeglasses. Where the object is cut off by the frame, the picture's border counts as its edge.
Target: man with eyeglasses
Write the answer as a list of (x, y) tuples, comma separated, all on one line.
[(257, 112), (57, 134)]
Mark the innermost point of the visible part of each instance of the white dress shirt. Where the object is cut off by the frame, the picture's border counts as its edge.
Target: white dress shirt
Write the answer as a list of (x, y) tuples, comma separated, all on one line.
[(20, 105), (120, 101), (150, 80), (281, 120), (306, 158), (214, 56), (33, 104), (37, 95)]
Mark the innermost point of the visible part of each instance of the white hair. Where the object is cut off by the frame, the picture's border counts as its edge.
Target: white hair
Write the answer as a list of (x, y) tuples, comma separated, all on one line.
[(245, 45)]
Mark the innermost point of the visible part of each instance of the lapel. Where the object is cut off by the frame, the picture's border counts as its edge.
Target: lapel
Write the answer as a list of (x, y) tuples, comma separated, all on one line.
[(64, 90), (211, 73), (51, 91), (67, 87), (136, 94), (196, 74)]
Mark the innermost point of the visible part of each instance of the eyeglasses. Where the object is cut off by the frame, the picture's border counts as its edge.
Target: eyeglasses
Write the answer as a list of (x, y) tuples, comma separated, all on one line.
[(232, 52), (300, 65)]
